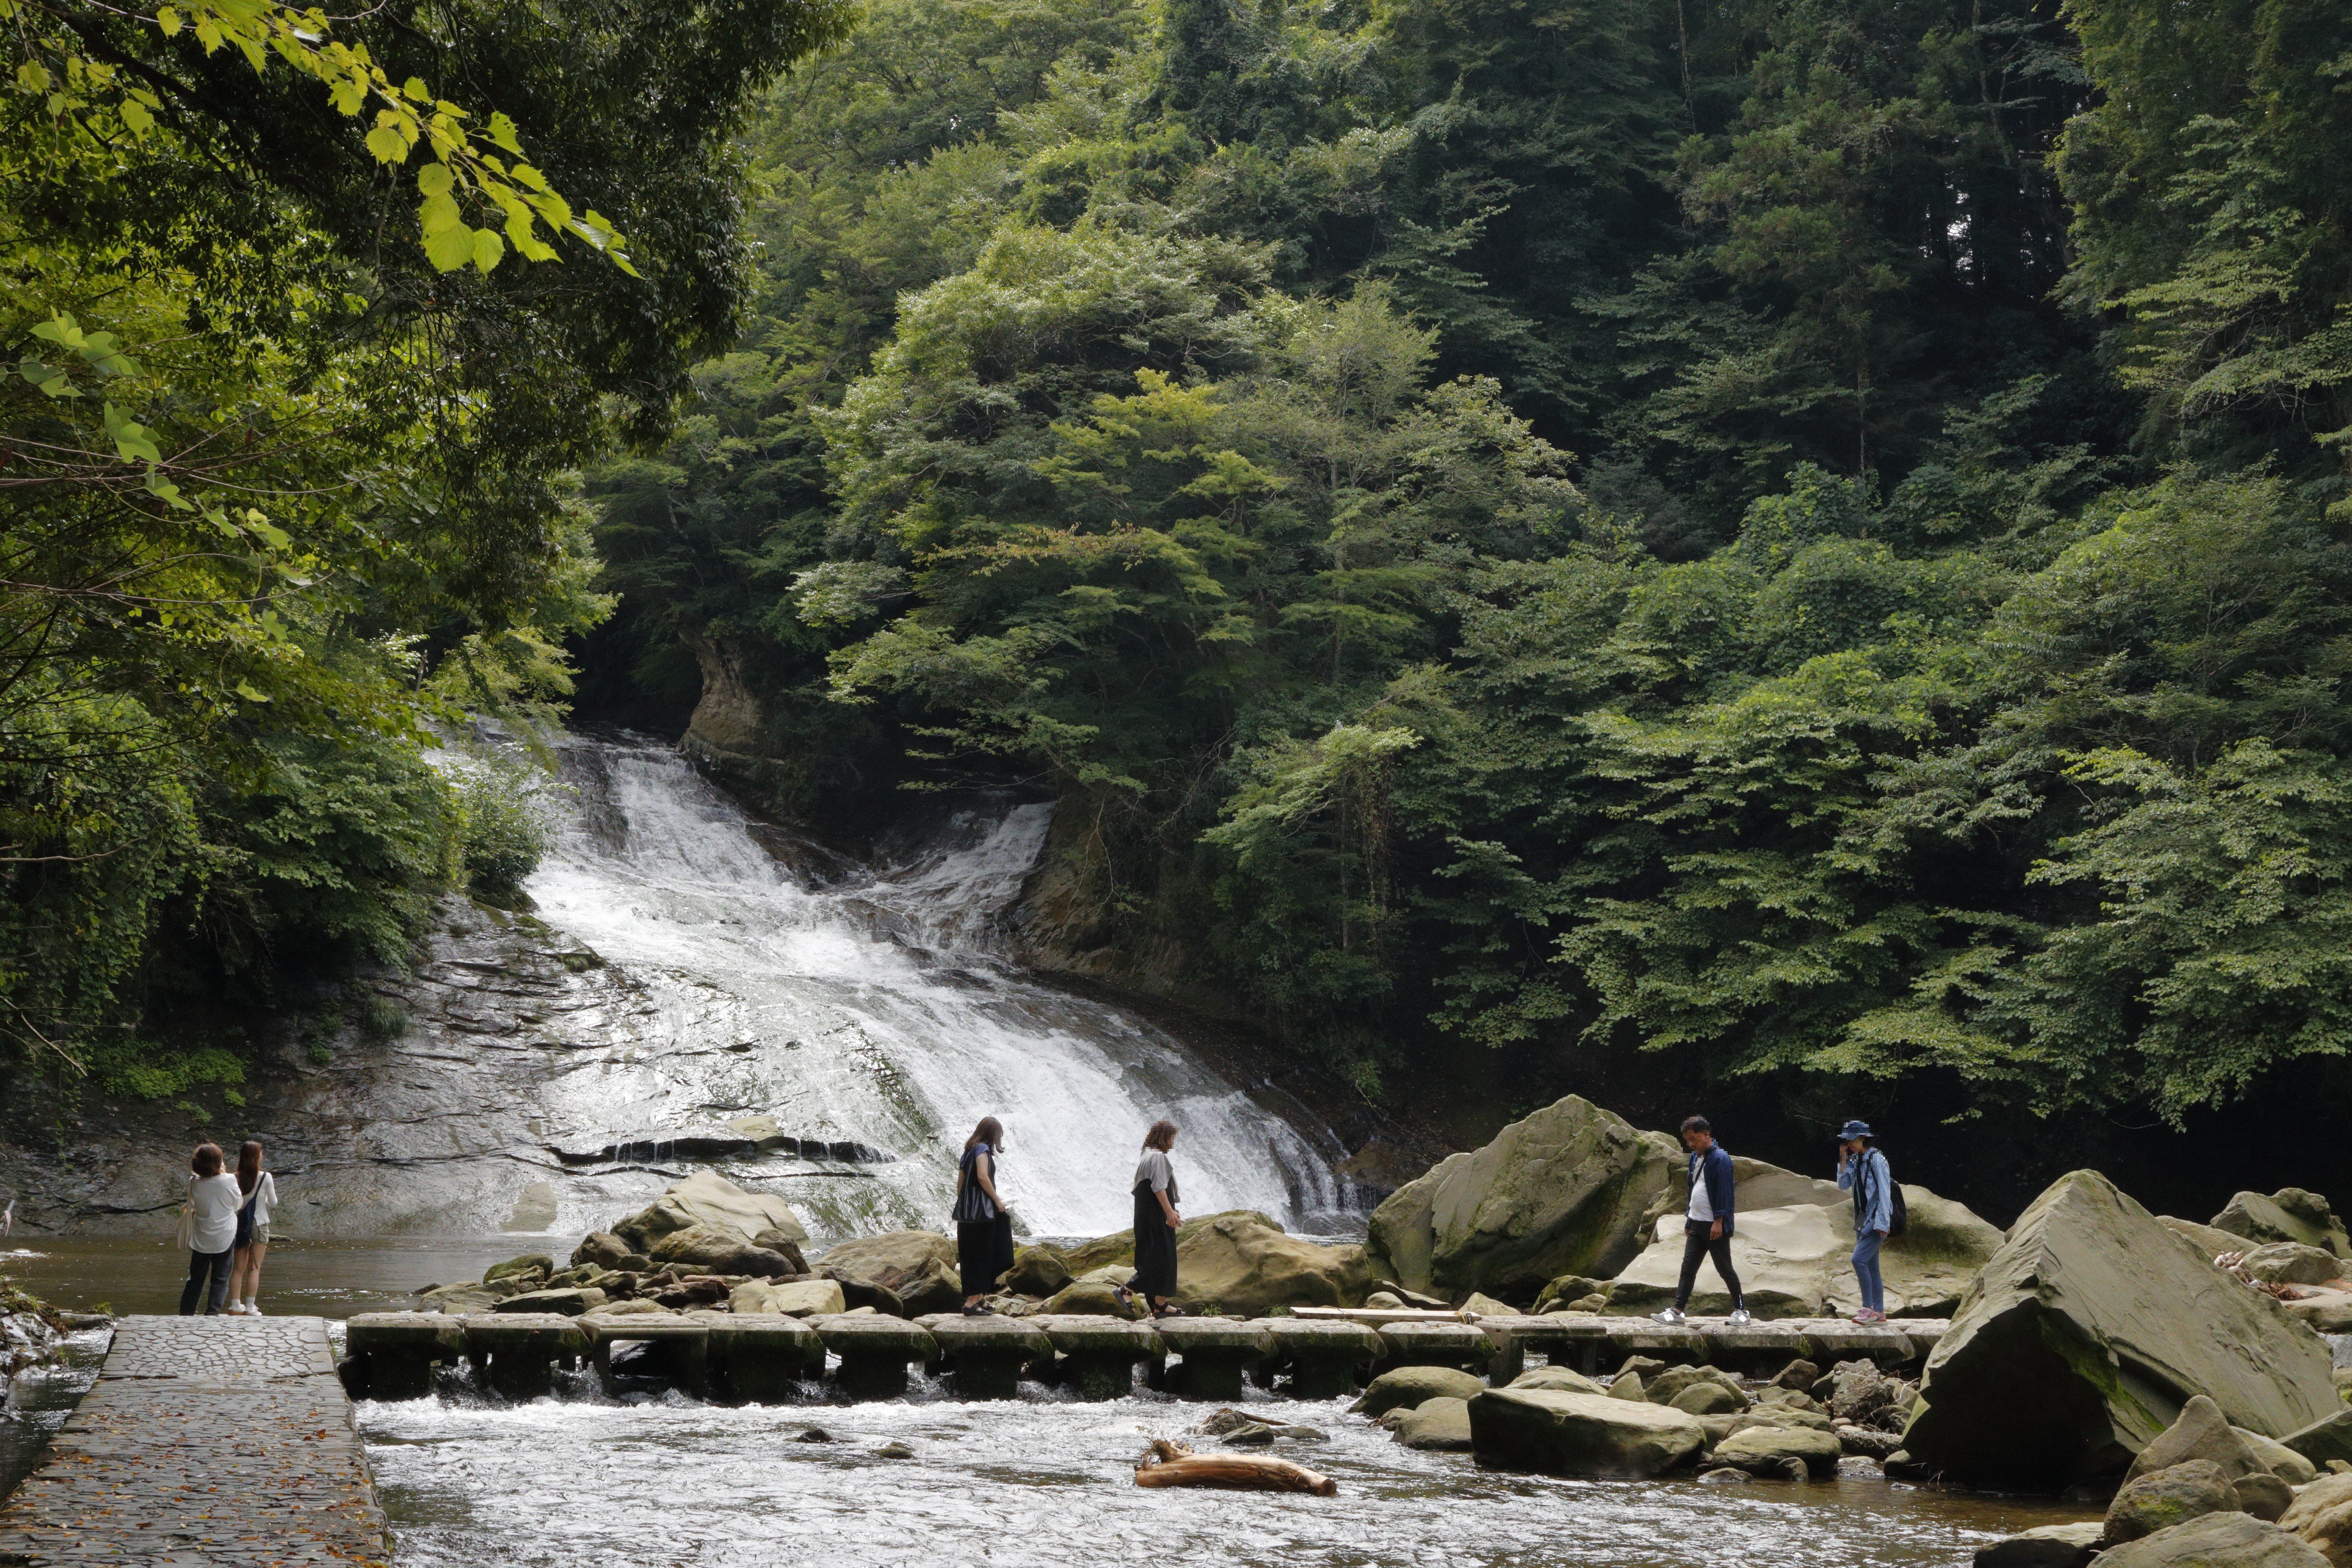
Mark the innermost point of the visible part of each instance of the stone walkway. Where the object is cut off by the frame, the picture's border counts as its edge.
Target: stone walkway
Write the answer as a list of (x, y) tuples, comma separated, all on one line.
[(206, 1443)]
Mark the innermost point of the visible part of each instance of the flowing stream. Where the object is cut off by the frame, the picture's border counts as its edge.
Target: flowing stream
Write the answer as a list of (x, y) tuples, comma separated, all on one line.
[(868, 1010)]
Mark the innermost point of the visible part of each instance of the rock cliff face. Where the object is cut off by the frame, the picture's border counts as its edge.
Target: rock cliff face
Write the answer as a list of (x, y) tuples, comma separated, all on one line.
[(1573, 1189), (481, 1101)]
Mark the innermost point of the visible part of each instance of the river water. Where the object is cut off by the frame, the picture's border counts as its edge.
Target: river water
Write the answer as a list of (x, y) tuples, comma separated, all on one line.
[(571, 1483)]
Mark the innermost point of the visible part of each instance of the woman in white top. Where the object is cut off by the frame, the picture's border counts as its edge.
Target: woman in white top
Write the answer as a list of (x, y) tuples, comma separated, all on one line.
[(209, 1223), (1156, 1220), (258, 1190)]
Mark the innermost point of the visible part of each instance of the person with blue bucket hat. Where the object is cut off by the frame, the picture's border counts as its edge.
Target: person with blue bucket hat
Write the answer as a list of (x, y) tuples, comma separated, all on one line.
[(1862, 1170)]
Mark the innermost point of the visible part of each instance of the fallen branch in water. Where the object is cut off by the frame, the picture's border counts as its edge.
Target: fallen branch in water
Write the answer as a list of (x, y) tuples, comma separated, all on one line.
[(1167, 1464)]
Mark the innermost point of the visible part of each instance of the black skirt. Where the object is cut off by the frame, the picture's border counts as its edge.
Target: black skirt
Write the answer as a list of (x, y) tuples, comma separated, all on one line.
[(985, 1250), (1155, 1246)]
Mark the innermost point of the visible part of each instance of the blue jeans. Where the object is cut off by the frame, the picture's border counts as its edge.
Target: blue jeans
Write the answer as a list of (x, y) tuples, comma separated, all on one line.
[(1865, 1270)]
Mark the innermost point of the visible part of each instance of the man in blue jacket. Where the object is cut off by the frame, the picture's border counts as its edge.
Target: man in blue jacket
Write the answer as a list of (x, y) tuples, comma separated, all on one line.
[(1707, 1220)]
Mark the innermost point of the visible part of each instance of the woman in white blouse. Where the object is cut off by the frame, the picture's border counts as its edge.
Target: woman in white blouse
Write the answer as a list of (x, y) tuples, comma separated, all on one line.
[(208, 1222), (258, 1189)]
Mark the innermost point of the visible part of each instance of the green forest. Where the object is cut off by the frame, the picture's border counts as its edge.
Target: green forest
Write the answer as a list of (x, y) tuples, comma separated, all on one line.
[(1812, 535)]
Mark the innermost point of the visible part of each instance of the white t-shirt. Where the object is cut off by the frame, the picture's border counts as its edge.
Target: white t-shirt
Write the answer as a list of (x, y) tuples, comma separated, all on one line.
[(263, 1197), (216, 1201), (1153, 1168), (1702, 1207)]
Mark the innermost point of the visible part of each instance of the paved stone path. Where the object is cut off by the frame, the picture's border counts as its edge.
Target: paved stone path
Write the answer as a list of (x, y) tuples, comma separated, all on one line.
[(206, 1443)]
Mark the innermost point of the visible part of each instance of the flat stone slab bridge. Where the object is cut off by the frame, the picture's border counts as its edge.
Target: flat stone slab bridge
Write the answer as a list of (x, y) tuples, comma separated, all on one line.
[(205, 1443), (745, 1358)]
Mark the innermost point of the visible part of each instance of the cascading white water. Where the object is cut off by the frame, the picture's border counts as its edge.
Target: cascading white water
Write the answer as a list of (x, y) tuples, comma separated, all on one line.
[(873, 1009)]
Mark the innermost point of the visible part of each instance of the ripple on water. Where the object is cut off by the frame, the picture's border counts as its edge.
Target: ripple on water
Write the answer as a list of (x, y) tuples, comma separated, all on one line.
[(666, 1480)]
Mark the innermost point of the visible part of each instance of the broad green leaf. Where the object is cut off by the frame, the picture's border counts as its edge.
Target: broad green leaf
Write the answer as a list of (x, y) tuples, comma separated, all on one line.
[(502, 132), (133, 440), (489, 248), (388, 145), (528, 245), (413, 89), (169, 20), (246, 692), (449, 249), (433, 179), (33, 76), (135, 115), (438, 213)]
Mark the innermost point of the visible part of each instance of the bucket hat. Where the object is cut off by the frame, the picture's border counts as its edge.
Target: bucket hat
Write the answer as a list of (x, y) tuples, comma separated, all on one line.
[(1853, 1130)]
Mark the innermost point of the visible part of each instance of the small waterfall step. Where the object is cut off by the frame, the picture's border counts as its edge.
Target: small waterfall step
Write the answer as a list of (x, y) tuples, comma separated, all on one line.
[(204, 1440)]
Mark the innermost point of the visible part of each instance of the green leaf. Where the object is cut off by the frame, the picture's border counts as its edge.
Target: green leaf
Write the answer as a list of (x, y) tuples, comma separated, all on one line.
[(246, 690), (438, 213), (502, 132), (434, 179), (388, 145), (449, 249), (134, 441), (50, 378), (169, 20), (488, 250), (528, 245)]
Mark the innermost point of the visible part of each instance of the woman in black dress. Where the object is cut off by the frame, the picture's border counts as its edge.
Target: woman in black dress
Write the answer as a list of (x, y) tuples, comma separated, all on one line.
[(1156, 1220), (983, 1230)]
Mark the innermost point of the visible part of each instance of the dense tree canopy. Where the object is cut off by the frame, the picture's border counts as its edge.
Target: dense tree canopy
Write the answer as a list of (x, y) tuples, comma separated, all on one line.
[(309, 323), (1807, 535)]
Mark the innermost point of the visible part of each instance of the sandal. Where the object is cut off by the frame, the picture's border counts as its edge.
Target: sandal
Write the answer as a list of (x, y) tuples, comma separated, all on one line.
[(1125, 1294), (1169, 1311), (979, 1309)]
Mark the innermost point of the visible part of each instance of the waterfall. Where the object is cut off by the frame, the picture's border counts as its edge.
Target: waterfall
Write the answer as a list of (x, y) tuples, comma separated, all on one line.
[(869, 1011)]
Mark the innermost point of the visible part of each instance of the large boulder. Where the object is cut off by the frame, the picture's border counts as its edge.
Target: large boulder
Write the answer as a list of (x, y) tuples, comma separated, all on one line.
[(2292, 1263), (715, 1251), (2162, 1498), (1768, 1450), (1796, 1261), (1438, 1426), (2085, 1336), (917, 1266), (1240, 1262), (2216, 1540), (794, 1298), (1579, 1434), (2044, 1546), (1571, 1189), (1040, 1270), (1409, 1387), (2202, 1432), (2291, 1213), (719, 1206)]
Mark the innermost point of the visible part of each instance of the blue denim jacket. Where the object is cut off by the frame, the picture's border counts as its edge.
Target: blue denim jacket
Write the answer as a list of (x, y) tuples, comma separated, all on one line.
[(1716, 1164)]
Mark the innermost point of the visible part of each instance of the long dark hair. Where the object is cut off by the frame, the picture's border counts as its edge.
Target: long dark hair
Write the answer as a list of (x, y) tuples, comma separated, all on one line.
[(990, 1132), (206, 1161), (1161, 1137), (249, 1165)]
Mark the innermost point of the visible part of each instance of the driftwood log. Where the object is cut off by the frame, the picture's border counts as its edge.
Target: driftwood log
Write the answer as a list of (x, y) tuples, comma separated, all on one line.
[(1172, 1465)]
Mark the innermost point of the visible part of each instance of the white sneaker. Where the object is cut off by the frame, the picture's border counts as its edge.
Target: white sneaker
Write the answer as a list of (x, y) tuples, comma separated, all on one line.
[(1672, 1316), (234, 1309), (253, 1308), (1739, 1318)]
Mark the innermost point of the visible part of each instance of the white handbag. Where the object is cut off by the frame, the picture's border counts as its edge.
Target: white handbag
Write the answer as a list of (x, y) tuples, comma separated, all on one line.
[(188, 1226)]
